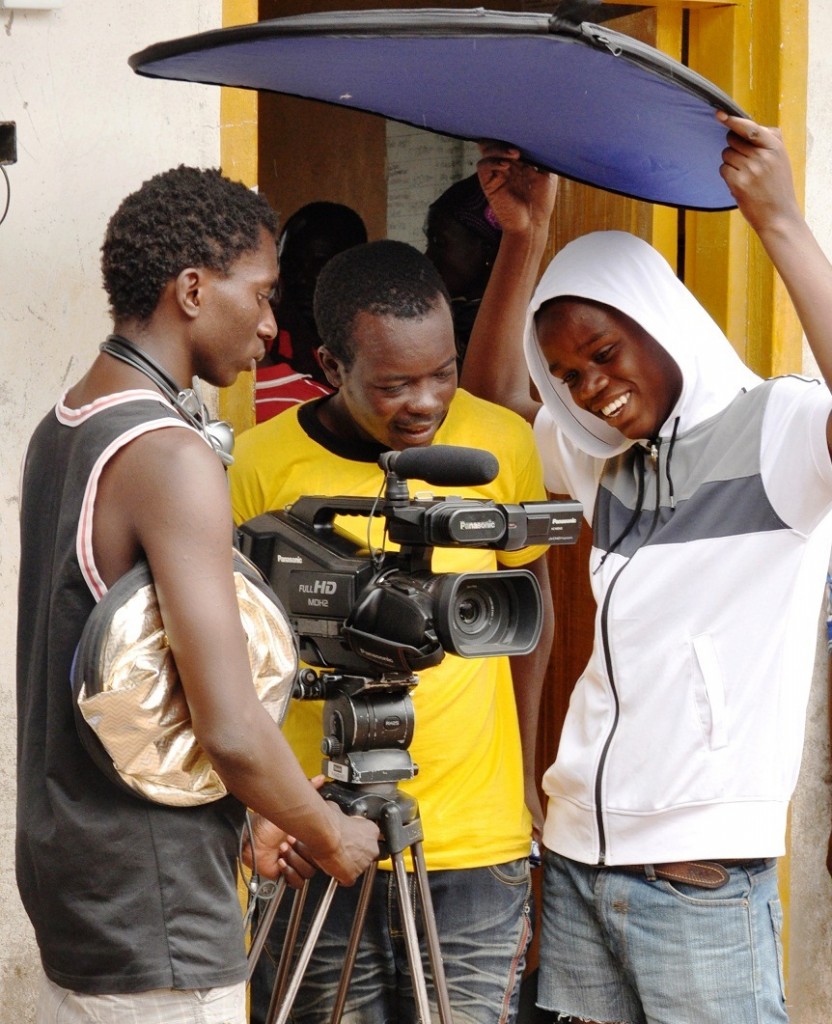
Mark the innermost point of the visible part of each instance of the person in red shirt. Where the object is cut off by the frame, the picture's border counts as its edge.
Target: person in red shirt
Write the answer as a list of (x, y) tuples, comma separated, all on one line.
[(290, 372)]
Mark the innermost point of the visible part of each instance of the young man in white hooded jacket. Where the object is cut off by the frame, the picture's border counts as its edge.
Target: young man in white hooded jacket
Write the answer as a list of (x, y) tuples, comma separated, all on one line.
[(708, 491)]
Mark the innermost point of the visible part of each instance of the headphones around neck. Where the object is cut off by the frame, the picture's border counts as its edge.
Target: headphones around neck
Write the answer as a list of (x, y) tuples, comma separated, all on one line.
[(218, 433)]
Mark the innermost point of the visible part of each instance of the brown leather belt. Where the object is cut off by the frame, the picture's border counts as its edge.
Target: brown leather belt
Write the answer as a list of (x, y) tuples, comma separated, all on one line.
[(705, 874)]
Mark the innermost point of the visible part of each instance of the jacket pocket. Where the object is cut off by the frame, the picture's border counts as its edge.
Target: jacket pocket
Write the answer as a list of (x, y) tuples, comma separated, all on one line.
[(709, 692)]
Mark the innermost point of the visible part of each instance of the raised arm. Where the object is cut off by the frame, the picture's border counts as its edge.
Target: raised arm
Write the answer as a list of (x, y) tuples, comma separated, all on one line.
[(756, 169), (522, 199)]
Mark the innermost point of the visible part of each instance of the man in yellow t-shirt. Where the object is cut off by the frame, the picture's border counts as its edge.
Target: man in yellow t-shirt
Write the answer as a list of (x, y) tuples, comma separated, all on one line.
[(384, 316)]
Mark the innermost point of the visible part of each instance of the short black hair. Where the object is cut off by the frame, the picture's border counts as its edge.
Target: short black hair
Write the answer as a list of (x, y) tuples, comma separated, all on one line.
[(336, 224), (184, 217), (468, 205), (308, 241), (384, 278)]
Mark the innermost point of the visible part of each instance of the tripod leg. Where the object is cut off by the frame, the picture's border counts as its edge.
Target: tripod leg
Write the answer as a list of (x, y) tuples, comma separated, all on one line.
[(411, 940), (355, 938), (263, 926), (281, 1013), (289, 941), (437, 966)]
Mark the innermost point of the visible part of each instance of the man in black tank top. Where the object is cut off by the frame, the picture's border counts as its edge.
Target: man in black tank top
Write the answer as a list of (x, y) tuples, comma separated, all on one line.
[(134, 902)]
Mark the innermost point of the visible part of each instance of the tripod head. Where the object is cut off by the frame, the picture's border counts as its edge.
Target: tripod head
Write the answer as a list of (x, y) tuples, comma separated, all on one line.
[(368, 724)]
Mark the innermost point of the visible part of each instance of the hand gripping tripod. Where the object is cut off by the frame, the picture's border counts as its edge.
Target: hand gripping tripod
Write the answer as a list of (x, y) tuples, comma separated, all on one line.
[(369, 724)]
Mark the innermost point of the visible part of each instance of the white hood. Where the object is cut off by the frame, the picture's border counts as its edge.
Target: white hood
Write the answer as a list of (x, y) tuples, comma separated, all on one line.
[(626, 273)]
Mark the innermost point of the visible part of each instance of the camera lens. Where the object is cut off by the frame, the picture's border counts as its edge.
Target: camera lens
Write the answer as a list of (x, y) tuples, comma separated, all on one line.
[(409, 620), (482, 613), (474, 612), (468, 612)]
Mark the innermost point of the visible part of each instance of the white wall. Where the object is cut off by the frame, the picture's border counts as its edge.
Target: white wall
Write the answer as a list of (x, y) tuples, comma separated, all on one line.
[(420, 166), (89, 132)]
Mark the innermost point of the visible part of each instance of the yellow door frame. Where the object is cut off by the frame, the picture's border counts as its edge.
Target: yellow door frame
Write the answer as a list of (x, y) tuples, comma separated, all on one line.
[(757, 52), (238, 159)]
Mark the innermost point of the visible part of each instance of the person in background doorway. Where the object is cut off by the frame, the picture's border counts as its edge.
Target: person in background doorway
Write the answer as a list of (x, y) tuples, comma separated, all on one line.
[(463, 237), (290, 372)]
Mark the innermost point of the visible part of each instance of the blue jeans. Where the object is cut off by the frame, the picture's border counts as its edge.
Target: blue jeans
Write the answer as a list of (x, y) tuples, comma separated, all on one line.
[(483, 918), (620, 947)]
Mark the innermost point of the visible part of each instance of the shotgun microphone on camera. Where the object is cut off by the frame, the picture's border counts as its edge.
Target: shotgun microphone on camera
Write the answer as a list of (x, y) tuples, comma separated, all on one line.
[(444, 465)]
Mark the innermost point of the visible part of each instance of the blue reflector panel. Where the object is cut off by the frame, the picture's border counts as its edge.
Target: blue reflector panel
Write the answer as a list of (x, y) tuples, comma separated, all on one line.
[(593, 105)]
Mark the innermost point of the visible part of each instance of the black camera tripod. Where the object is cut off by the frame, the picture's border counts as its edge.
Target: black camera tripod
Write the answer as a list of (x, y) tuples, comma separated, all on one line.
[(369, 723)]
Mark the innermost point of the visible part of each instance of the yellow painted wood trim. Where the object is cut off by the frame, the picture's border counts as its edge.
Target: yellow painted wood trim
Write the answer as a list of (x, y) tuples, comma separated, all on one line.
[(792, 102), (238, 160), (716, 244), (665, 228), (238, 109), (762, 62), (690, 4), (680, 5)]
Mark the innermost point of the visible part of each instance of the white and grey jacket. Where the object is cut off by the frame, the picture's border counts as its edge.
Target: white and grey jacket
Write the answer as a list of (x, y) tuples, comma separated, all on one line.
[(710, 550)]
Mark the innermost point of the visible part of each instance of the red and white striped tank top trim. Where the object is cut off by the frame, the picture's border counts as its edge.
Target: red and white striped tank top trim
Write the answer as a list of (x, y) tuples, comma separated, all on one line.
[(74, 417)]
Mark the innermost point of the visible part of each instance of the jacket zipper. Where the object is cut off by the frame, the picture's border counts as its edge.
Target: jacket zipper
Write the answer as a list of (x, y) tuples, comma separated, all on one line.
[(602, 834), (602, 761)]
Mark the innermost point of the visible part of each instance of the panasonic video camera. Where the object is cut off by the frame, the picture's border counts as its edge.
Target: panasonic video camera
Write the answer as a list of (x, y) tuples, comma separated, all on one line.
[(387, 613)]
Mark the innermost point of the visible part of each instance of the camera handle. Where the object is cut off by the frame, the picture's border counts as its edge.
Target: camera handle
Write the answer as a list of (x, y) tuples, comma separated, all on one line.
[(397, 816)]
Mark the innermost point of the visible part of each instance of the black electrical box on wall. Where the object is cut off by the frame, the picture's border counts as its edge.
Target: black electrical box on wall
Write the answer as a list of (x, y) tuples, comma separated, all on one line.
[(8, 142)]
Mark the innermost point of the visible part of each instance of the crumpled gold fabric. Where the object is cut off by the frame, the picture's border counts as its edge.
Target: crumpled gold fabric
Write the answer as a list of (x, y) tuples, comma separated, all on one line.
[(139, 712)]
